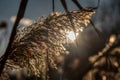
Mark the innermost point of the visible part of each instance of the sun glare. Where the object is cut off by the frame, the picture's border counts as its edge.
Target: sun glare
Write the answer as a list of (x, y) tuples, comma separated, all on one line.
[(71, 35)]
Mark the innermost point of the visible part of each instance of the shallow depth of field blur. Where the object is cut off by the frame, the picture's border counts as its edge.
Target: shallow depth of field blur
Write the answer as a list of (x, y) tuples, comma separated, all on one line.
[(90, 45)]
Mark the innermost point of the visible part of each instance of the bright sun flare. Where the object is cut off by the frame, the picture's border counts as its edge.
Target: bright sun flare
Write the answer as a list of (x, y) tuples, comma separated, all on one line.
[(71, 35)]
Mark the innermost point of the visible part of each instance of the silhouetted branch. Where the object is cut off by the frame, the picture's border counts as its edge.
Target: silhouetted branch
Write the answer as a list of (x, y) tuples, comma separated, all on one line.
[(53, 5), (19, 16)]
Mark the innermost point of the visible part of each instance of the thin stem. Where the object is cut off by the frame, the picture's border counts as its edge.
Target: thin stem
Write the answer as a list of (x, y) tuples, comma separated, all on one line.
[(13, 33)]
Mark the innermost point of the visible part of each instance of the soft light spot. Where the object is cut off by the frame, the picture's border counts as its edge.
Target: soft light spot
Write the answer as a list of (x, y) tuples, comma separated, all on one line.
[(112, 38), (24, 21), (71, 35)]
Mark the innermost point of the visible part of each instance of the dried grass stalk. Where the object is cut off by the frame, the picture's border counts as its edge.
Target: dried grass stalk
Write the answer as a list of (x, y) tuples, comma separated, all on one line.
[(31, 43)]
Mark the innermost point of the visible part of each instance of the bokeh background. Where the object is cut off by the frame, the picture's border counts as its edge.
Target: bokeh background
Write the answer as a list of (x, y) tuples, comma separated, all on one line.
[(106, 20)]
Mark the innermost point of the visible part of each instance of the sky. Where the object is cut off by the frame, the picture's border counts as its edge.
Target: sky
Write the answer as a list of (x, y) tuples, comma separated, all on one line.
[(35, 8), (38, 8)]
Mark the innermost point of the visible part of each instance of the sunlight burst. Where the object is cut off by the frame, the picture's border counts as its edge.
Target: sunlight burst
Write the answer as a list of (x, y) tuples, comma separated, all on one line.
[(71, 35)]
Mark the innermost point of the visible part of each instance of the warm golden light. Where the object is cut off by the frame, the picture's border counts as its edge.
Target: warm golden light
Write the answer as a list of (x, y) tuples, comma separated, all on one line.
[(71, 35)]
